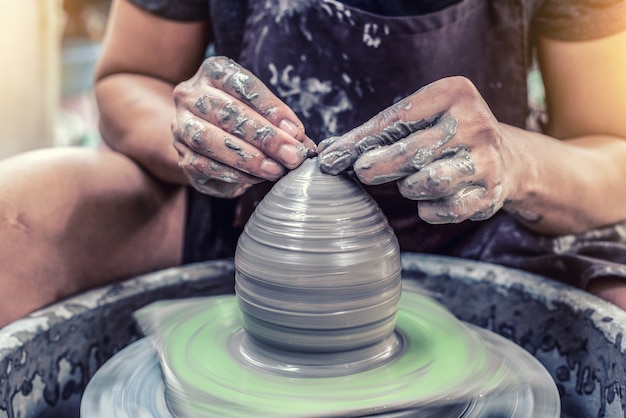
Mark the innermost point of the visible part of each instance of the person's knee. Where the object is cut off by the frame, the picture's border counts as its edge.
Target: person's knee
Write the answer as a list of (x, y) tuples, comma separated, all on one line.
[(71, 219)]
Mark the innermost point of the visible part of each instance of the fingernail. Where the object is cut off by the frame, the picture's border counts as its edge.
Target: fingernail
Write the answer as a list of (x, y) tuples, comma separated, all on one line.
[(271, 168), (290, 127), (291, 154)]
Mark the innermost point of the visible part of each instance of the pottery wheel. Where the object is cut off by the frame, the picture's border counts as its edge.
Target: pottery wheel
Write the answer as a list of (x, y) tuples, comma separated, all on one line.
[(445, 369), (321, 325)]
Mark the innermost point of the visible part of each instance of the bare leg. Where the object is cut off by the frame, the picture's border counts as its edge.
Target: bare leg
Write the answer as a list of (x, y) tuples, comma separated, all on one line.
[(613, 290), (72, 219)]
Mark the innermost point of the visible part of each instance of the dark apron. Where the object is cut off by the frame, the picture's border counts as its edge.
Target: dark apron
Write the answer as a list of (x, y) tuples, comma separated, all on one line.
[(337, 66)]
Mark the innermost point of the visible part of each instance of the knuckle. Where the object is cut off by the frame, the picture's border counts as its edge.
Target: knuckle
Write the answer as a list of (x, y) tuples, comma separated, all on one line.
[(421, 190), (463, 85), (231, 76), (211, 177), (244, 85), (217, 67), (429, 183), (263, 136), (434, 185), (193, 132), (181, 91), (230, 117)]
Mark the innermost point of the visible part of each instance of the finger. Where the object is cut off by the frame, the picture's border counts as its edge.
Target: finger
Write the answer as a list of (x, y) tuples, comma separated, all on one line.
[(424, 106), (472, 202), (211, 177), (311, 147), (442, 178), (228, 76), (238, 119), (418, 111), (406, 156), (209, 141), (337, 154)]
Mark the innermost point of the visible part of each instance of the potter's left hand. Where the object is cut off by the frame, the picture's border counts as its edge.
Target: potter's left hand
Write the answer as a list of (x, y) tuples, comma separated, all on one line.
[(443, 147)]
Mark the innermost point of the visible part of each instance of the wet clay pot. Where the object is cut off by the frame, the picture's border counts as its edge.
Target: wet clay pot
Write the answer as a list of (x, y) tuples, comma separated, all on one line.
[(318, 266)]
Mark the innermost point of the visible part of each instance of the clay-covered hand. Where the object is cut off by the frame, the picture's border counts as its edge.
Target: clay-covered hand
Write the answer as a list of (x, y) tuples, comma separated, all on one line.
[(442, 145), (231, 131)]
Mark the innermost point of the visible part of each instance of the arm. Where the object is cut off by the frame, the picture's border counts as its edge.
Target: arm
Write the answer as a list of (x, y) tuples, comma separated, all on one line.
[(580, 181), (144, 57), (154, 88), (467, 165)]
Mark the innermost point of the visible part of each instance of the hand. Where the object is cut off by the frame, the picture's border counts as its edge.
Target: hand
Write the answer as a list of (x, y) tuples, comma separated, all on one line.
[(232, 132), (442, 145)]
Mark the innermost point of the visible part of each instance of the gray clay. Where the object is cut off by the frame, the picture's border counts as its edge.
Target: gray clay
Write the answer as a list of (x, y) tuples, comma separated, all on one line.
[(318, 266)]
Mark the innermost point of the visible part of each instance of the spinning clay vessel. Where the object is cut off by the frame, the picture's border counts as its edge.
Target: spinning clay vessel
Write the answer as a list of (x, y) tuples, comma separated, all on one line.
[(318, 266)]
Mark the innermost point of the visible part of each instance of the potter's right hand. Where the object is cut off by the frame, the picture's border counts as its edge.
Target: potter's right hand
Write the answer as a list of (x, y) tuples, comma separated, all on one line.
[(231, 131)]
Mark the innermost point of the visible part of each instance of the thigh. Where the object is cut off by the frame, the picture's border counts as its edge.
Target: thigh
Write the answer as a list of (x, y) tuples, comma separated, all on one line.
[(72, 219)]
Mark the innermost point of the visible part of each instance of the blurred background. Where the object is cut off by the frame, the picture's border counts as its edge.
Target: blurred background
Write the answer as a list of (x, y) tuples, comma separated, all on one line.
[(48, 51)]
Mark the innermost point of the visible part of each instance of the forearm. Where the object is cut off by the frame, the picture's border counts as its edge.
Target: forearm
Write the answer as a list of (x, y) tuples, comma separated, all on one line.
[(135, 119), (567, 186)]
